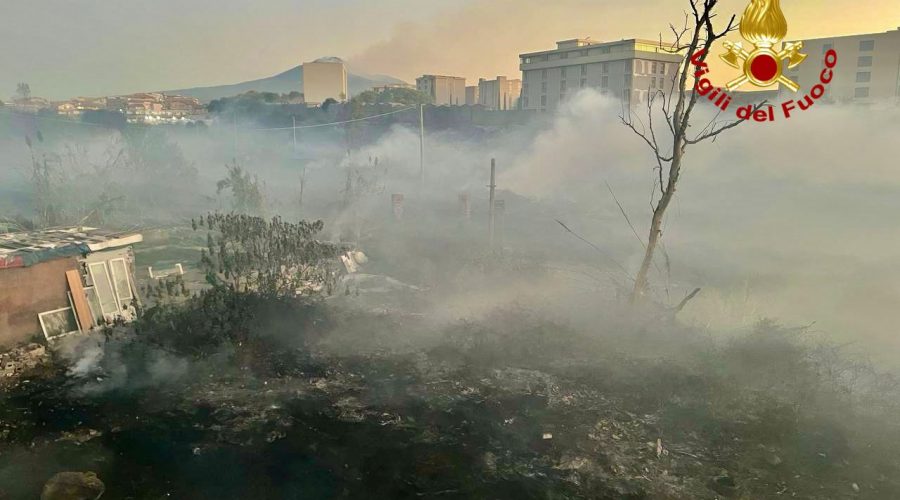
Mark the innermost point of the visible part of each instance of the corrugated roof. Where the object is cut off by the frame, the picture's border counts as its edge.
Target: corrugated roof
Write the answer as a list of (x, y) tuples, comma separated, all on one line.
[(24, 249)]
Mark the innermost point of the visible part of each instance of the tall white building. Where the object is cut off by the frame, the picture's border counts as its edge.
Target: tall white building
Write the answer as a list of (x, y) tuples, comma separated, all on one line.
[(627, 69), (444, 90), (867, 70), (501, 94), (472, 95), (323, 79)]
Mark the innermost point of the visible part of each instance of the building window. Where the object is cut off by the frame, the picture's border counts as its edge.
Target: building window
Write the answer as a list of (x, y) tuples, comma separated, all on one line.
[(584, 70), (562, 85), (604, 68), (584, 53), (604, 50), (655, 68), (543, 101), (583, 82), (628, 81), (863, 77), (867, 45), (864, 62), (862, 92), (526, 60), (604, 82), (564, 55), (827, 47), (562, 72), (525, 102), (653, 83), (543, 74), (543, 87)]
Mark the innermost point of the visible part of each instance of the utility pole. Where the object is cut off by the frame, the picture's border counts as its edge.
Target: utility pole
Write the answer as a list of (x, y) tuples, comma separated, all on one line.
[(493, 186), (294, 130), (234, 129), (297, 157), (422, 143)]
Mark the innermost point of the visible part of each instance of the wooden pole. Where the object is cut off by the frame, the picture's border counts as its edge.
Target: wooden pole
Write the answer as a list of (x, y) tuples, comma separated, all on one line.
[(422, 143), (297, 157), (493, 186), (234, 130)]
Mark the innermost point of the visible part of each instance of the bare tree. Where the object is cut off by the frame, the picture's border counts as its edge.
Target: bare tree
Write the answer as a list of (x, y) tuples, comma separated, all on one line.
[(23, 90), (668, 146)]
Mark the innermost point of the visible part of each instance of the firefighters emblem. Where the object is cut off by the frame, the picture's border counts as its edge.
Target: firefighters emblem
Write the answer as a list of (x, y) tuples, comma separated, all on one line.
[(764, 26)]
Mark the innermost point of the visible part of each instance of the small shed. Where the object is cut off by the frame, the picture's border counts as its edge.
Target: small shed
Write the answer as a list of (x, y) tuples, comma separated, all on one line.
[(57, 282)]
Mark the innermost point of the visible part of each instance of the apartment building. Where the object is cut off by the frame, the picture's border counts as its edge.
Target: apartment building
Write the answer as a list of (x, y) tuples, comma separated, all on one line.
[(501, 94), (324, 79), (868, 67), (444, 90), (472, 95), (628, 69), (154, 108)]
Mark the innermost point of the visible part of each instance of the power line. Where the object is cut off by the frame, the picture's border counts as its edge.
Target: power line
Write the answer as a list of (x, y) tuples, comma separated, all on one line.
[(47, 118), (332, 124)]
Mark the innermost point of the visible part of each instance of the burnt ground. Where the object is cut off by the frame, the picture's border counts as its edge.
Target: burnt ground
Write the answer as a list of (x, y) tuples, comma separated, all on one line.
[(527, 410)]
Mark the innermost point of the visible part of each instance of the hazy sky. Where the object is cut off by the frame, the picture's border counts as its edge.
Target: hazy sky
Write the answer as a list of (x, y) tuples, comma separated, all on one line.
[(66, 48)]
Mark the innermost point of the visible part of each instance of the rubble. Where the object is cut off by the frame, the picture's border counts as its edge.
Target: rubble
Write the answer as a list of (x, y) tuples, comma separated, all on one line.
[(23, 360), (73, 486)]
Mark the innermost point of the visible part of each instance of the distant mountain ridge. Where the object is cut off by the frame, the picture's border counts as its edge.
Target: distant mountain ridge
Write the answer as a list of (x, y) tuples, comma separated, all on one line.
[(282, 83)]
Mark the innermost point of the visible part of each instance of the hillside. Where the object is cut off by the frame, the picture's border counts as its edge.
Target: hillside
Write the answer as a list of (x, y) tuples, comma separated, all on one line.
[(281, 83)]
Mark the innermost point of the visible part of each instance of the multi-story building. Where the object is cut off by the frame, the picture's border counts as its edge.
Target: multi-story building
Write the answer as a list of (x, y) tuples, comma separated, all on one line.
[(627, 69), (444, 90), (79, 105), (387, 86), (867, 70), (472, 95), (324, 79), (501, 94), (29, 104), (154, 108)]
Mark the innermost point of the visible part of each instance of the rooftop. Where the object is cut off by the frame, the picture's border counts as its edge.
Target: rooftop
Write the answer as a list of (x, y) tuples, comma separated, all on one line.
[(25, 249), (575, 45)]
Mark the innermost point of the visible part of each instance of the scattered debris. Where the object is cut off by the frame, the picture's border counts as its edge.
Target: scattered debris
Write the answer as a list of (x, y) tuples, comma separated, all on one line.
[(73, 486)]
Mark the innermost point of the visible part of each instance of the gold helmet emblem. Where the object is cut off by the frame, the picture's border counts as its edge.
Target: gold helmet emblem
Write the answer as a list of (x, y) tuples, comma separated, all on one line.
[(764, 26)]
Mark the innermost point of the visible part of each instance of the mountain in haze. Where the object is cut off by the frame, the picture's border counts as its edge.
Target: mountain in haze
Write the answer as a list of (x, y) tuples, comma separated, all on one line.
[(282, 83)]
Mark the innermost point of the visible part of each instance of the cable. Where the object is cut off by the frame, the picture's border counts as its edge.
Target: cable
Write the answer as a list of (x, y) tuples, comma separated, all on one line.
[(47, 118), (332, 124)]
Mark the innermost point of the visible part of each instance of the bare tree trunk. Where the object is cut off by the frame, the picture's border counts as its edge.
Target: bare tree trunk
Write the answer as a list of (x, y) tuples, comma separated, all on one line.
[(694, 41), (641, 281)]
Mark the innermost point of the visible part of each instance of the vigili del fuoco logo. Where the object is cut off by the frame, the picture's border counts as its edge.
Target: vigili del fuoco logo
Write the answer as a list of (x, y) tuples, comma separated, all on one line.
[(762, 62)]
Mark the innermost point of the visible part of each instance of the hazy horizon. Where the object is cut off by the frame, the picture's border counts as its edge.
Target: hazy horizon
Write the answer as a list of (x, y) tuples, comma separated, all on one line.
[(94, 48)]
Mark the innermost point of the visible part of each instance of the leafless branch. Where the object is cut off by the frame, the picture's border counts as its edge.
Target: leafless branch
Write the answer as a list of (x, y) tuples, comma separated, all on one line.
[(715, 131), (684, 301)]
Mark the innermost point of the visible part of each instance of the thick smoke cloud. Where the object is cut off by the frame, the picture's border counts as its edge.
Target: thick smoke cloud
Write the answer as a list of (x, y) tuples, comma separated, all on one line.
[(791, 220)]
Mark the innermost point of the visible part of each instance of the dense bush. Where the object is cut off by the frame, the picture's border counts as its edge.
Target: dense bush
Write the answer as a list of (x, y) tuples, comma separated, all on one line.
[(221, 317)]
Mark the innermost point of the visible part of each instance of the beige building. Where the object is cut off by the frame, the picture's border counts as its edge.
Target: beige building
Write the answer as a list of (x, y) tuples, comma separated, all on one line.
[(868, 67), (472, 95), (444, 90), (391, 86), (324, 79), (501, 94), (627, 69)]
